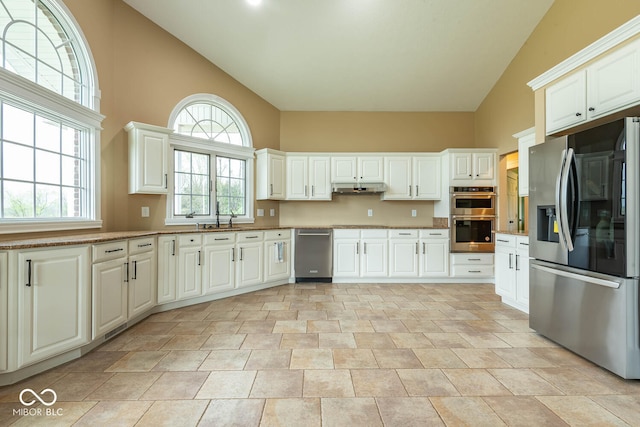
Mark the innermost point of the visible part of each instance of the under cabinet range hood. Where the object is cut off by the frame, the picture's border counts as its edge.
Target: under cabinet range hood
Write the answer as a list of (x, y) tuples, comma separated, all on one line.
[(361, 188)]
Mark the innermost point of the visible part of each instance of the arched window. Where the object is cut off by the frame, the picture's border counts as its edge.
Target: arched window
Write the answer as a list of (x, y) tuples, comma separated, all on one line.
[(49, 120), (212, 174)]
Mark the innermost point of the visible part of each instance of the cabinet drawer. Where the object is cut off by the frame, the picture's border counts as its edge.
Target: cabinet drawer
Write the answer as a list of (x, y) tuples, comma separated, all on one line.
[(189, 240), (403, 234), (506, 240), (277, 235), (346, 234), (373, 234), (522, 245), (219, 238), (256, 236), (472, 270), (434, 234), (142, 245), (109, 251), (472, 259)]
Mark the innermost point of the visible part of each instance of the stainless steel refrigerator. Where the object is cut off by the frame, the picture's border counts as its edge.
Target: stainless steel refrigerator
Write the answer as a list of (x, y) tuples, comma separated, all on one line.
[(584, 240)]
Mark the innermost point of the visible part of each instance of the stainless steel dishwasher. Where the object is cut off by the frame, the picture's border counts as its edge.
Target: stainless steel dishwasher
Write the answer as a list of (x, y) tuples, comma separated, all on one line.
[(314, 255)]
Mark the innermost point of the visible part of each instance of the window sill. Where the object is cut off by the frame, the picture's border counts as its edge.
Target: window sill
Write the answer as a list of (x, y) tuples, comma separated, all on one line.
[(31, 226)]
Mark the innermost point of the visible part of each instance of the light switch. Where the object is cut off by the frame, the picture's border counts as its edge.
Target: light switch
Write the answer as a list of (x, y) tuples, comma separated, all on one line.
[(370, 212), (260, 212), (272, 212), (414, 212), (145, 211)]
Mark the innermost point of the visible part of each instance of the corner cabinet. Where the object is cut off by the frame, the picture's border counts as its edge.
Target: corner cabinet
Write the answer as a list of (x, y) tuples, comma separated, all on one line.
[(270, 174), (54, 300), (148, 158), (609, 84)]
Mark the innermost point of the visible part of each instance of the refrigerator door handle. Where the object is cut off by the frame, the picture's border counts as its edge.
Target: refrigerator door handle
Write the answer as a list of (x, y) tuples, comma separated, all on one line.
[(558, 200), (565, 228), (582, 277)]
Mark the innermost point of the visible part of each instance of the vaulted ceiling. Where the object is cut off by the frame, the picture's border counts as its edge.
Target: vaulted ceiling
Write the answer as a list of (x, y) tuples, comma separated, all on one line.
[(356, 55)]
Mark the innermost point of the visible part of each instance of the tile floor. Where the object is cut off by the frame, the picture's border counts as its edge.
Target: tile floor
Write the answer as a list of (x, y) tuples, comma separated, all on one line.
[(333, 355)]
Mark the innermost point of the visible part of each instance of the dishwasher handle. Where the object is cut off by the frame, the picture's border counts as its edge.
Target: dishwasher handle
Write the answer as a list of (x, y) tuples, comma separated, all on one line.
[(315, 234)]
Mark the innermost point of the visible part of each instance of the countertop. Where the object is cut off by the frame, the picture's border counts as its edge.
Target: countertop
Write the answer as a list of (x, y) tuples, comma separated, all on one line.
[(513, 233), (93, 238)]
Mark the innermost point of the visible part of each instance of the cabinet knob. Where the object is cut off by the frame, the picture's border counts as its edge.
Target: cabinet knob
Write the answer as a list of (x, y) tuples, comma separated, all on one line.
[(592, 109), (578, 114)]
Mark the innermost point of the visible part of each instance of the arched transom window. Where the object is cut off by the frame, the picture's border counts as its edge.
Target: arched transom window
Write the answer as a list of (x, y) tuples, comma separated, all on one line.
[(49, 120), (212, 162)]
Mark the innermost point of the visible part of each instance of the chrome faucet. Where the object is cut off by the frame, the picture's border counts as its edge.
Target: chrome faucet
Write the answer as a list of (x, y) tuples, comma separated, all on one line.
[(217, 214), (231, 219)]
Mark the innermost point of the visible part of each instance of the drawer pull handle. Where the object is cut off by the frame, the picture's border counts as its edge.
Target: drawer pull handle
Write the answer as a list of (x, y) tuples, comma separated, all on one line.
[(173, 247), (221, 238), (144, 245), (251, 237), (110, 251), (404, 234), (474, 259), (435, 234), (503, 241), (475, 271), (28, 273)]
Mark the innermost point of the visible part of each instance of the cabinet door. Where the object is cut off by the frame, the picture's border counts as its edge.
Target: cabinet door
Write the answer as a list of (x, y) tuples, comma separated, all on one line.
[(4, 332), (346, 258), (148, 153), (319, 178), (189, 282), (566, 102), (434, 258), (167, 263), (142, 282), (397, 177), (218, 270), (109, 296), (374, 258), (250, 261), (276, 268), (461, 166), (614, 81), (522, 273), (343, 169), (53, 301), (426, 178), (276, 177), (483, 166), (297, 178), (524, 143), (403, 258), (505, 272), (370, 169)]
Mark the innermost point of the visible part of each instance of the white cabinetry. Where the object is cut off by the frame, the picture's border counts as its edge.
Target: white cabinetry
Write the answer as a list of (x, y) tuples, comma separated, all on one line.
[(526, 140), (109, 287), (142, 275), (346, 253), (270, 174), (54, 300), (373, 256), (167, 269), (219, 262), (512, 270), (472, 264), (412, 177), (189, 282), (473, 168), (250, 258), (277, 255), (4, 295), (403, 253), (357, 169), (308, 177), (610, 84), (434, 253), (148, 158)]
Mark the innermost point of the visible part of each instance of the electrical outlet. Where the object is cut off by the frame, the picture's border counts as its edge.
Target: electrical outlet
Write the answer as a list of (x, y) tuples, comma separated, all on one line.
[(414, 212), (370, 212), (260, 212), (145, 211), (272, 212)]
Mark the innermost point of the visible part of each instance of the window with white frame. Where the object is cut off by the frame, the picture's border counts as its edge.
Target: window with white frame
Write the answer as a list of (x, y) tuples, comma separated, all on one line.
[(212, 167), (49, 120)]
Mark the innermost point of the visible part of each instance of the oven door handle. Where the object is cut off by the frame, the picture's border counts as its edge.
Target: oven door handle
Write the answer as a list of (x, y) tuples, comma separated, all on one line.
[(474, 195), (474, 217)]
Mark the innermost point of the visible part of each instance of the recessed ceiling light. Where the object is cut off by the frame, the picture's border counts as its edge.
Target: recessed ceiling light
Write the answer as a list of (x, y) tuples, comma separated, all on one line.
[(254, 2)]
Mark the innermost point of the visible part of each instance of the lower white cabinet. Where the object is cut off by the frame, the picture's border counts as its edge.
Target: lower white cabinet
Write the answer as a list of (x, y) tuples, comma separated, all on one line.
[(512, 270), (250, 258), (142, 275), (472, 264), (277, 255), (346, 253), (434, 253), (167, 268), (54, 301), (373, 253), (403, 253), (189, 277), (109, 294), (218, 272)]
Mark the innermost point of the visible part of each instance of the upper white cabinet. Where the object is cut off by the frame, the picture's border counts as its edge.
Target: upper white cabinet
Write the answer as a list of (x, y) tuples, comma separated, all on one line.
[(526, 140), (308, 177), (609, 84), (412, 177), (148, 158), (357, 169), (472, 167), (270, 174)]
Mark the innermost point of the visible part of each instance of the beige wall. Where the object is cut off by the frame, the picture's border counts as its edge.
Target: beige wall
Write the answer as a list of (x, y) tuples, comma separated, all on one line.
[(144, 72), (568, 27)]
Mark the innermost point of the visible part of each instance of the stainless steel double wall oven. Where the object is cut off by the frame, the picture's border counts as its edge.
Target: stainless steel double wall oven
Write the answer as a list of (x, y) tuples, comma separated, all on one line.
[(473, 215)]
